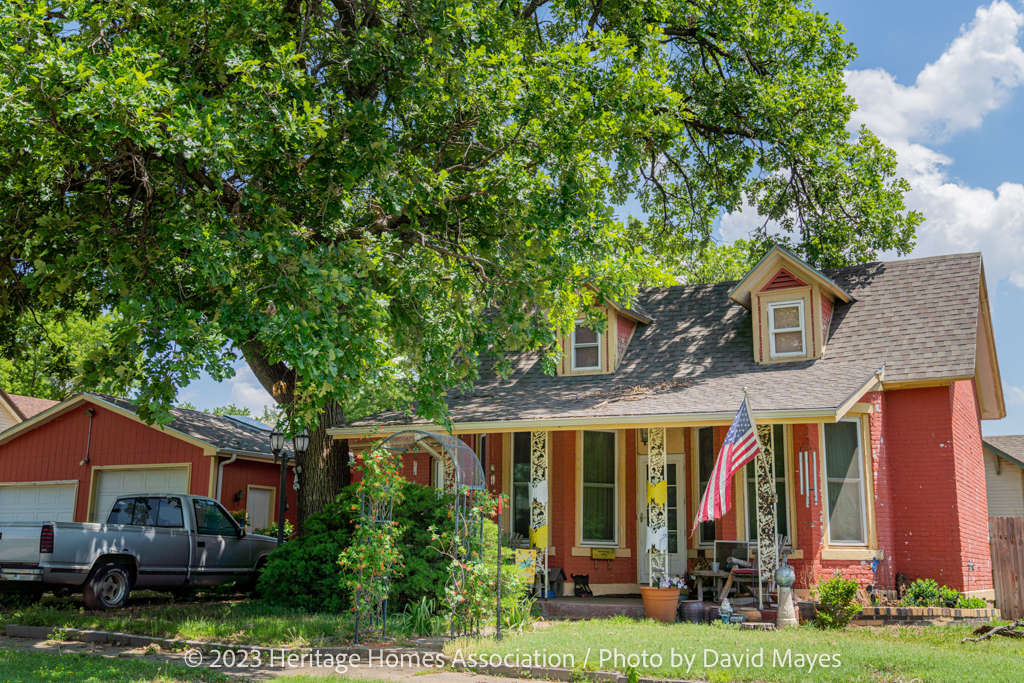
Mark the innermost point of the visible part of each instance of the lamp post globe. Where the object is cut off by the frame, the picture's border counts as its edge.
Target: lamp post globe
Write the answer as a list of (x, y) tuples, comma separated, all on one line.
[(276, 441), (301, 441)]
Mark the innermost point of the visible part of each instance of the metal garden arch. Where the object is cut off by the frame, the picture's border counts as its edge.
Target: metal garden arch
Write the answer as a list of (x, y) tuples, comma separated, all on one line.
[(463, 477)]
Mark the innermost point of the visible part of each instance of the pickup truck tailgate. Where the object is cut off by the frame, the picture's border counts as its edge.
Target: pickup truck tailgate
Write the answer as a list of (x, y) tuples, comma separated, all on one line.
[(19, 552), (19, 543)]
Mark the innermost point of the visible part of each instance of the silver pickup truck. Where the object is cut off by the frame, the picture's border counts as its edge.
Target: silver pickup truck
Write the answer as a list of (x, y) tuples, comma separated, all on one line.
[(156, 541)]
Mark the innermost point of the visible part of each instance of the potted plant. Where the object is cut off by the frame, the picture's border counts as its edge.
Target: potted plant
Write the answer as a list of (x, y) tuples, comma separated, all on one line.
[(662, 601)]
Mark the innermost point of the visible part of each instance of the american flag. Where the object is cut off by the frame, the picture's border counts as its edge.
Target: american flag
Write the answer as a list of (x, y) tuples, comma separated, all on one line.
[(739, 448)]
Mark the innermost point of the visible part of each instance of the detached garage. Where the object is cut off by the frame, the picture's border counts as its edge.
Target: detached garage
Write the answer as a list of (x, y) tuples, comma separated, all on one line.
[(71, 461)]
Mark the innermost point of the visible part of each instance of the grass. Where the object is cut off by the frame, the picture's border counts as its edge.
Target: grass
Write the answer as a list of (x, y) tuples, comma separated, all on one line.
[(241, 622), (869, 655), (36, 667)]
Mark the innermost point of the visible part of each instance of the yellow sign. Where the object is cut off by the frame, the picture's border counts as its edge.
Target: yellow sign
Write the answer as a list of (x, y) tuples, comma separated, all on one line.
[(657, 493), (602, 553), (526, 562)]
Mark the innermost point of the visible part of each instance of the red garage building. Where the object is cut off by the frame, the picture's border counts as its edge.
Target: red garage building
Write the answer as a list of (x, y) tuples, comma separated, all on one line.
[(69, 462)]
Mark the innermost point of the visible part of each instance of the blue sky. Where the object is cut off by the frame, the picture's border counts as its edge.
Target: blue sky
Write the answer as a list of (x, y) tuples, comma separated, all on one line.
[(943, 84)]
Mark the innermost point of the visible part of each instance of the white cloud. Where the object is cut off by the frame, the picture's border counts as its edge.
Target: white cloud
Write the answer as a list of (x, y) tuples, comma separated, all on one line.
[(247, 392), (975, 75), (1014, 395)]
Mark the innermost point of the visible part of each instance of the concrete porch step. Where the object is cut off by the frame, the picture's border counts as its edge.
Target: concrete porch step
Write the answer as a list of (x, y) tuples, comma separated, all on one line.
[(591, 608)]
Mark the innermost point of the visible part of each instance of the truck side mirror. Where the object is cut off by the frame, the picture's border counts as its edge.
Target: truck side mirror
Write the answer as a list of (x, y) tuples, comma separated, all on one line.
[(241, 532)]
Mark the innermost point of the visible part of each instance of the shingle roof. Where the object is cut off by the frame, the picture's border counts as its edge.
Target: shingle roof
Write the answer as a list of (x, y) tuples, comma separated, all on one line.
[(30, 405), (1011, 446), (917, 317), (220, 430)]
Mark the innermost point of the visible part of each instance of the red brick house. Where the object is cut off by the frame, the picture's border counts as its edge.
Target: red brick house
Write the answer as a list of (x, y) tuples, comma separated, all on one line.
[(69, 461), (870, 382)]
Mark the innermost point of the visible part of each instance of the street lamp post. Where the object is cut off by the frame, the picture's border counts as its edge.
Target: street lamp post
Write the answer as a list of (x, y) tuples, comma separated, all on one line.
[(301, 443), (277, 445)]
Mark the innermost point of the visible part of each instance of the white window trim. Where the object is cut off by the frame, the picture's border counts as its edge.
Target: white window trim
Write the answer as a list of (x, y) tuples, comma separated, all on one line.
[(799, 303), (600, 350), (862, 492), (614, 543)]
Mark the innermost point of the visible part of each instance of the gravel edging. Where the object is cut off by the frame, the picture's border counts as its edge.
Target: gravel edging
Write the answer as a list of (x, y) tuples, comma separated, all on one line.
[(127, 639)]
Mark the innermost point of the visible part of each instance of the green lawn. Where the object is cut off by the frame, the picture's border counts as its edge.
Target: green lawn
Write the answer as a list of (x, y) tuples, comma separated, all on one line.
[(36, 667), (875, 655), (241, 622)]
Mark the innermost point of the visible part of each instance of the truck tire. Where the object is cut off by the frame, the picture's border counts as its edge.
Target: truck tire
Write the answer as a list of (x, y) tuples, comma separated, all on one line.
[(107, 588)]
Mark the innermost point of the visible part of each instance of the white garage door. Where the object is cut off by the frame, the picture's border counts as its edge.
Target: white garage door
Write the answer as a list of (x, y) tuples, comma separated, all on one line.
[(112, 484), (37, 503)]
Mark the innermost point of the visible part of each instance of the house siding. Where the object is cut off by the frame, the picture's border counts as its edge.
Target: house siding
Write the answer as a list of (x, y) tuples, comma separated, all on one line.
[(7, 417), (1005, 487), (52, 451), (240, 474)]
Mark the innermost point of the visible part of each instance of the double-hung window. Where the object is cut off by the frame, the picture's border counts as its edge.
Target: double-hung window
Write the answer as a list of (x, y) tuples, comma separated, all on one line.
[(586, 348), (778, 447), (705, 466), (599, 487), (844, 489), (786, 328), (521, 484)]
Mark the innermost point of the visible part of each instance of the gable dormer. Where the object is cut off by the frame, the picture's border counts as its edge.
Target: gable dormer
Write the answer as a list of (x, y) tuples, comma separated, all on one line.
[(599, 352), (791, 307)]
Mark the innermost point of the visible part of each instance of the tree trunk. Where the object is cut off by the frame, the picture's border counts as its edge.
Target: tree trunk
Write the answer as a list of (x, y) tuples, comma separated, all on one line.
[(325, 471)]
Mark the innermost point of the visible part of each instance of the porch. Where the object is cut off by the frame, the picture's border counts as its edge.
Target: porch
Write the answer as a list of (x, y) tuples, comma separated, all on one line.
[(594, 516)]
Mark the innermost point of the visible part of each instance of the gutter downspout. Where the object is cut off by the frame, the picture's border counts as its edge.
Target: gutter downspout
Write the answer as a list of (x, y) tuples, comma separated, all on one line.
[(220, 473)]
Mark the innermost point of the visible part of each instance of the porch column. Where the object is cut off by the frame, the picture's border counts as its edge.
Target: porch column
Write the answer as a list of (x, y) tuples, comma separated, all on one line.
[(539, 501), (767, 514), (450, 483), (657, 496)]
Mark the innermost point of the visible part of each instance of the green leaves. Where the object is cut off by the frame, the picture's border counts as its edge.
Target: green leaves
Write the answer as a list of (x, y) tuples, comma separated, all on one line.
[(367, 204)]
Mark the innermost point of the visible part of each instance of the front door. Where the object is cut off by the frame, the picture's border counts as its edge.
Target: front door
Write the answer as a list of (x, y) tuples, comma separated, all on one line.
[(675, 512), (221, 554)]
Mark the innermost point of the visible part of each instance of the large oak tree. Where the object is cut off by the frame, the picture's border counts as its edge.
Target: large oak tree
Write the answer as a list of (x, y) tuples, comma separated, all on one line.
[(369, 194)]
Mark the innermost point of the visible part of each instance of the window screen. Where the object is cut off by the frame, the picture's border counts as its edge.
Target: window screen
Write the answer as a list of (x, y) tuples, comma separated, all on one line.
[(599, 487), (521, 484), (845, 483)]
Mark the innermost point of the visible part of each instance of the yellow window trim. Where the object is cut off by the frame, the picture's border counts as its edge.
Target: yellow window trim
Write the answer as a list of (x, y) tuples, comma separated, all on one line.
[(620, 501), (867, 463)]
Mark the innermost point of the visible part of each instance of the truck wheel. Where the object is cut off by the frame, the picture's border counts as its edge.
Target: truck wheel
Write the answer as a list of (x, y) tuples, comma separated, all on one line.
[(108, 588)]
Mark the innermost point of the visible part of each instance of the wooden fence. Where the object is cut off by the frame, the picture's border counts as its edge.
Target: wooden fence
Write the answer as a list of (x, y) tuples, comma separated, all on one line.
[(1006, 536)]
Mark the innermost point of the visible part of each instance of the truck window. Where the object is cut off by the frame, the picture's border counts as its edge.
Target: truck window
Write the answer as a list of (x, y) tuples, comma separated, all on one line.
[(210, 519), (169, 515), (122, 512), (161, 512)]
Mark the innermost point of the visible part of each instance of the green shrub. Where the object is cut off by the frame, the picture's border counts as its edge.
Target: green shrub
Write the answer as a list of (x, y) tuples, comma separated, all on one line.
[(425, 571), (837, 598), (928, 593), (305, 573), (971, 603)]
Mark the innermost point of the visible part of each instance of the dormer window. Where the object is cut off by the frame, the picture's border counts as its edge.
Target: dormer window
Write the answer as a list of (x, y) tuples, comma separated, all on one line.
[(586, 348), (786, 328)]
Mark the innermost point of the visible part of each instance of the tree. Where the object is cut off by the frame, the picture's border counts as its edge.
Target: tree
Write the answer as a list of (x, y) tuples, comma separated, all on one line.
[(358, 195), (43, 355)]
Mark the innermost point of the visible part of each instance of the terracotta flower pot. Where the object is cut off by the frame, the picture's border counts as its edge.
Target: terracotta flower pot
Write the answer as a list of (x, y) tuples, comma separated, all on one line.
[(660, 603)]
